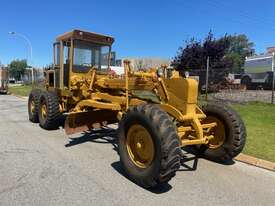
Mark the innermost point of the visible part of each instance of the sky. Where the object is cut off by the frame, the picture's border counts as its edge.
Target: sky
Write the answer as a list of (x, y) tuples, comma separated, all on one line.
[(143, 28)]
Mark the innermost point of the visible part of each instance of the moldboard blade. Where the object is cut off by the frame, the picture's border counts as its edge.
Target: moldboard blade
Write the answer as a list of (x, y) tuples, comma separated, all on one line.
[(83, 121)]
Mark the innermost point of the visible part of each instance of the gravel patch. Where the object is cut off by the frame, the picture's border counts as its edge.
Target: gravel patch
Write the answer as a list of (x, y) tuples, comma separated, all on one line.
[(243, 96)]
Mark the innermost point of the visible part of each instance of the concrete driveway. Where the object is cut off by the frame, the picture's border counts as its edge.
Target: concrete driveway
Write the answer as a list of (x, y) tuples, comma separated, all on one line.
[(39, 167)]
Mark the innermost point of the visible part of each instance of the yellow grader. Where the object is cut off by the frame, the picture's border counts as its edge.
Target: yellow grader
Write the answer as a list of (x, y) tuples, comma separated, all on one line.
[(151, 131)]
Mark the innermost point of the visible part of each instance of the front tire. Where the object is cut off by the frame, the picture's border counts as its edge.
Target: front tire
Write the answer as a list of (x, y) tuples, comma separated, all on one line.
[(49, 113), (149, 146), (229, 134), (33, 105)]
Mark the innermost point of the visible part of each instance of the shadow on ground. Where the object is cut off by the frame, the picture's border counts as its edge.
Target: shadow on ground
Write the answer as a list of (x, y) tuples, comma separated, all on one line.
[(104, 135), (189, 158)]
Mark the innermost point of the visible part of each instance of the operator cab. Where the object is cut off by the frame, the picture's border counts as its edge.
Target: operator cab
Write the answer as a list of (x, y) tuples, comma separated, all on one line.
[(77, 52)]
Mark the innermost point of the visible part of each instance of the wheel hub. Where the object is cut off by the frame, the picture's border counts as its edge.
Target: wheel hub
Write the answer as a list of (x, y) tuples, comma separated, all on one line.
[(32, 106), (44, 111), (140, 146), (218, 132)]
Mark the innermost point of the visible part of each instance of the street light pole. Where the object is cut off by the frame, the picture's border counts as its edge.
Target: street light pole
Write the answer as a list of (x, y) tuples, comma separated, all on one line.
[(30, 46)]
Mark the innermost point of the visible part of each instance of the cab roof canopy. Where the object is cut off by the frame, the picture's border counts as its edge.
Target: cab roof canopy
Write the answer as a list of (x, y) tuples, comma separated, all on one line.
[(86, 36)]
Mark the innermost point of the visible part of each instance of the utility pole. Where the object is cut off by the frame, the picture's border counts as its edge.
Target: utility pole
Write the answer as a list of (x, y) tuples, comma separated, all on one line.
[(273, 78), (206, 79)]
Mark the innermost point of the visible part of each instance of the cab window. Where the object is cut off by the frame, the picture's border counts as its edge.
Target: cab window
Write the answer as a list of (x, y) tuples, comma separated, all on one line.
[(87, 56)]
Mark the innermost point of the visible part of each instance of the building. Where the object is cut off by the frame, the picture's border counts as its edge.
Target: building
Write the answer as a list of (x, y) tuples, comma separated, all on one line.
[(140, 63), (270, 50)]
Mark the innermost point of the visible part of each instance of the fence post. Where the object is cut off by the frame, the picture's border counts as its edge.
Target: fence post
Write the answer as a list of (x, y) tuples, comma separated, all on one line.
[(206, 79)]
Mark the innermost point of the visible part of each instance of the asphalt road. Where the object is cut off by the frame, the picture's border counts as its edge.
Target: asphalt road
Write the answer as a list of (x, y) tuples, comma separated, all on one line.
[(39, 167)]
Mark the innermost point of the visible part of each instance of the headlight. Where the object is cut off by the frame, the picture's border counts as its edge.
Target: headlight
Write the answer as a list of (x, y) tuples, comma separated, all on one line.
[(186, 74)]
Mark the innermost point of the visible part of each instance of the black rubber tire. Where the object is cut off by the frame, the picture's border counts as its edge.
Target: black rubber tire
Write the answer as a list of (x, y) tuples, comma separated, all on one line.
[(34, 96), (166, 142), (235, 134), (51, 100)]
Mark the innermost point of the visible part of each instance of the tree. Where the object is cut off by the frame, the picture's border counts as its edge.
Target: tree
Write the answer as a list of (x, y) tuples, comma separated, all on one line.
[(227, 52), (239, 48), (189, 57), (17, 68)]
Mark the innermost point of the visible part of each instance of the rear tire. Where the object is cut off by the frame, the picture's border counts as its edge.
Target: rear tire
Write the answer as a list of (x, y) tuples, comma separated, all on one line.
[(166, 159), (49, 114), (33, 105), (235, 133)]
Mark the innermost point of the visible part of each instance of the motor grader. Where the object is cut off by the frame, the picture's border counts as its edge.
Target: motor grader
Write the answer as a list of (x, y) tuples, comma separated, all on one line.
[(151, 131)]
